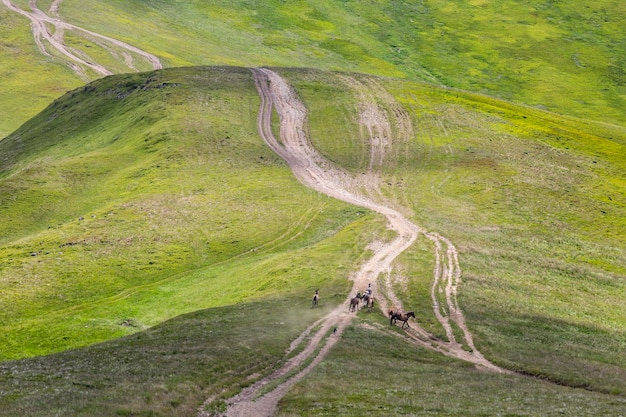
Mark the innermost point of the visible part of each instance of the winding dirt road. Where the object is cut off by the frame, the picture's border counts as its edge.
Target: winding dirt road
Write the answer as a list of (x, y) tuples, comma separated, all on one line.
[(76, 59), (316, 172)]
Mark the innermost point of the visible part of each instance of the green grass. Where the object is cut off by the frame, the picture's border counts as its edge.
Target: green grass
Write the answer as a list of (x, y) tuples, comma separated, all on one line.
[(183, 208), (30, 81), (534, 202), (393, 378), (179, 200), (562, 57), (169, 370)]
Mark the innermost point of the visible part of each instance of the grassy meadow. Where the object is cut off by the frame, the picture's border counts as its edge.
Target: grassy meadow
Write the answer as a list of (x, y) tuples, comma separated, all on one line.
[(30, 81), (159, 186), (155, 253), (137, 228), (393, 378), (536, 205), (167, 370), (567, 57)]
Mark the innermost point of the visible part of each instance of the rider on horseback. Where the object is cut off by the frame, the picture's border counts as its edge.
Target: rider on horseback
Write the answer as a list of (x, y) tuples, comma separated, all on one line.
[(368, 294)]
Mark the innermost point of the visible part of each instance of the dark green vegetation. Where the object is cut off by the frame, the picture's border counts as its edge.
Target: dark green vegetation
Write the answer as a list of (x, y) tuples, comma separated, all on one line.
[(186, 214), (169, 370), (393, 378)]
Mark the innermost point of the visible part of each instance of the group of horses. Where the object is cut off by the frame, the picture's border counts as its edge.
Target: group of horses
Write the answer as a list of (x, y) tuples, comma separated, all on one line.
[(366, 299)]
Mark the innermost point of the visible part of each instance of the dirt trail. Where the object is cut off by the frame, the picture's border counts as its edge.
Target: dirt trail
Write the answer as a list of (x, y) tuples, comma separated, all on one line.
[(76, 59), (316, 172)]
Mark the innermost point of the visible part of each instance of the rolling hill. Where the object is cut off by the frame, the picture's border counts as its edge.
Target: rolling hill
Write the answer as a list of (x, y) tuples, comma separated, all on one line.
[(155, 253)]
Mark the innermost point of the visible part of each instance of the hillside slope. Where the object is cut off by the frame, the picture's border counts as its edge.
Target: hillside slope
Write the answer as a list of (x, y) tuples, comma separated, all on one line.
[(140, 187), (568, 58), (141, 197)]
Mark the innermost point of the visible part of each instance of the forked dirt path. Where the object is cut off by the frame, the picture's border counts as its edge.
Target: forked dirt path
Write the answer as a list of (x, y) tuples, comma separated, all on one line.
[(316, 172), (48, 32)]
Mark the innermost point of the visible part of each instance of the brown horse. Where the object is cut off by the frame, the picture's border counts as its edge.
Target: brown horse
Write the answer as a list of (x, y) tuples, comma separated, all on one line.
[(403, 317), (366, 298), (354, 304), (370, 303)]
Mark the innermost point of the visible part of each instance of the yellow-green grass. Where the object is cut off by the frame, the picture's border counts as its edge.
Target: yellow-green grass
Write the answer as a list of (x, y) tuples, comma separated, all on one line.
[(535, 204), (184, 208), (144, 188), (566, 58), (30, 81)]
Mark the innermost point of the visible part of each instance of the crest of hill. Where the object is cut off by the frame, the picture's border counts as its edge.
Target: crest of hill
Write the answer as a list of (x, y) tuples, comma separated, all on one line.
[(561, 56), (113, 138), (139, 181)]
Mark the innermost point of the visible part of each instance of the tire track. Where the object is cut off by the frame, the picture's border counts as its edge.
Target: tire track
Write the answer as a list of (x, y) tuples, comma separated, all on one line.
[(316, 172), (77, 60)]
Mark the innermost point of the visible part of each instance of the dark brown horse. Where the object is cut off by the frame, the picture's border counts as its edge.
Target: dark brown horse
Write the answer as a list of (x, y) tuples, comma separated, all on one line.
[(403, 317), (366, 298), (354, 304)]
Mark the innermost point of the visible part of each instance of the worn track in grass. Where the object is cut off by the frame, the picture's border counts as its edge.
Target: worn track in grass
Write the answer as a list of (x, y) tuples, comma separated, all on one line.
[(48, 31), (316, 172)]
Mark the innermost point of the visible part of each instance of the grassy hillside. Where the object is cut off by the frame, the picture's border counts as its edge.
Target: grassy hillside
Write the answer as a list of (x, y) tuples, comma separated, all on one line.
[(143, 188), (536, 204), (155, 253), (392, 378), (30, 81), (563, 56), (183, 208)]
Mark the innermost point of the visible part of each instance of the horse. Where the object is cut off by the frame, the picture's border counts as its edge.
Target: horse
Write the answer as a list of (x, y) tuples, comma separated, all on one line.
[(370, 303), (316, 299), (354, 304), (403, 317), (366, 298)]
